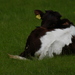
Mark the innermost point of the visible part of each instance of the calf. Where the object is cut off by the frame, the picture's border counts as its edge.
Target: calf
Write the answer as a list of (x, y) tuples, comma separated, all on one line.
[(47, 39), (61, 24)]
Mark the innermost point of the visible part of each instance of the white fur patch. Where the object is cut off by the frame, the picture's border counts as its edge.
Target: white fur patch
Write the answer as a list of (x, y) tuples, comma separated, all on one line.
[(54, 41)]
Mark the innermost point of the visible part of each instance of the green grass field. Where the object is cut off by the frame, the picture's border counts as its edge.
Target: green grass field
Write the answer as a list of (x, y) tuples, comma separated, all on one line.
[(17, 20)]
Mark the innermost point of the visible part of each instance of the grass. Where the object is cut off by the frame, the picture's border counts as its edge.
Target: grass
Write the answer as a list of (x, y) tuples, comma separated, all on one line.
[(17, 20)]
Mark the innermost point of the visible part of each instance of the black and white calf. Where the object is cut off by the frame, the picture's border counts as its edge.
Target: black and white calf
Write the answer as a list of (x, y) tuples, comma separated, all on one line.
[(49, 39)]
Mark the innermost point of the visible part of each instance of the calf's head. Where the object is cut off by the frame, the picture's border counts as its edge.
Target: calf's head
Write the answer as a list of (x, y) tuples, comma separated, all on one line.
[(49, 18)]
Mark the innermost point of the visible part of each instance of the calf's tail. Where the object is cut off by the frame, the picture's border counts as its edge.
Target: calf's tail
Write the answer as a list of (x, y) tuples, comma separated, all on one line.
[(16, 57)]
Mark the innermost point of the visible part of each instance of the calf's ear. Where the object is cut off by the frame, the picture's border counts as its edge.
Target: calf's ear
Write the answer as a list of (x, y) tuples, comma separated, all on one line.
[(39, 14), (66, 22)]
